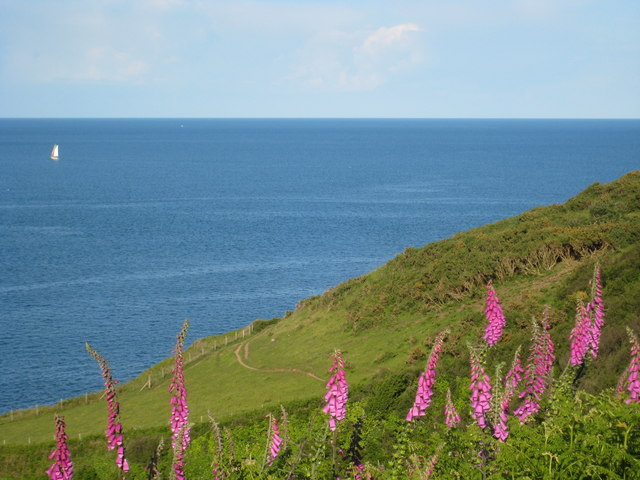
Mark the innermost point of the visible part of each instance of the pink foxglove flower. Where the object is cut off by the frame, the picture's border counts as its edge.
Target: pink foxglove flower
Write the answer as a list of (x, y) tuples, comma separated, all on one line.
[(511, 380), (451, 417), (337, 392), (581, 335), (539, 366), (514, 375), (633, 378), (622, 381), (179, 422), (114, 433), (431, 466), (501, 430), (495, 316), (480, 390), (426, 380), (218, 449), (62, 468), (596, 309), (274, 442)]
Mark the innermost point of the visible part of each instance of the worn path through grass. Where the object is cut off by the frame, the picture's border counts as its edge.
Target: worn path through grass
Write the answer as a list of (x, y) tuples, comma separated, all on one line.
[(267, 370)]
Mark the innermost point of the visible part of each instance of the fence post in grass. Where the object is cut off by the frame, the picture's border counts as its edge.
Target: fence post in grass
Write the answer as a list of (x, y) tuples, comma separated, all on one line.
[(147, 384)]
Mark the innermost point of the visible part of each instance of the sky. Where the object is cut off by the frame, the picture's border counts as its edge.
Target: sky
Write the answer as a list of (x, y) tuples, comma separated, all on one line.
[(320, 58)]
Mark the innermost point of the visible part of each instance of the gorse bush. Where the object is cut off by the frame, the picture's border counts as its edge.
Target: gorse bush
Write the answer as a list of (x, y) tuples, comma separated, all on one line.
[(533, 422)]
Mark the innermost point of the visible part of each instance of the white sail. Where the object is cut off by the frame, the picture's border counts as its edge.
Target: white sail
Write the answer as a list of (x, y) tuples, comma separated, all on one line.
[(54, 152)]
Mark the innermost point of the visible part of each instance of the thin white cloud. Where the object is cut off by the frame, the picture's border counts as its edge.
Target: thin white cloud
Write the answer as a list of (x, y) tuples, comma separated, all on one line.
[(94, 42), (162, 4), (386, 37), (545, 9), (107, 64), (274, 17), (352, 62), (92, 64)]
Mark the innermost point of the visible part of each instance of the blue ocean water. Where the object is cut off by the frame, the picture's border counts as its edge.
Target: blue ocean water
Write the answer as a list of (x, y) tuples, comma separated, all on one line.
[(142, 223)]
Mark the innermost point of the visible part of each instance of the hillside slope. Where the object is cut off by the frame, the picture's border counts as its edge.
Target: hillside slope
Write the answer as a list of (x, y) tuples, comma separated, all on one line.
[(385, 321)]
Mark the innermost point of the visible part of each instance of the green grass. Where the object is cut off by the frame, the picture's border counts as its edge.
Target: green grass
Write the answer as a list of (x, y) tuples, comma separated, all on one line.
[(383, 321)]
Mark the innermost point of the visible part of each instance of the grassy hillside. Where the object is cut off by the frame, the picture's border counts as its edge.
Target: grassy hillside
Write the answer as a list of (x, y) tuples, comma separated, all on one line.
[(385, 322)]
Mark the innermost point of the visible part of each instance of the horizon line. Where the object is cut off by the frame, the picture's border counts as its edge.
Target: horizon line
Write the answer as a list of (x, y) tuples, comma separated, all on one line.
[(305, 118)]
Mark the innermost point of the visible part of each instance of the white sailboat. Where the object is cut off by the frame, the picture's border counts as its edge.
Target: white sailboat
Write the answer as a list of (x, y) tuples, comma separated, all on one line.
[(54, 152)]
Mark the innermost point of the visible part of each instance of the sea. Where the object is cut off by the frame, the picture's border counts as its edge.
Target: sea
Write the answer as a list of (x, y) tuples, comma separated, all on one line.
[(144, 222)]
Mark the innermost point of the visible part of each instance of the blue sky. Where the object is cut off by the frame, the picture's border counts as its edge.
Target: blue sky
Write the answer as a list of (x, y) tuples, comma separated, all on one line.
[(305, 58)]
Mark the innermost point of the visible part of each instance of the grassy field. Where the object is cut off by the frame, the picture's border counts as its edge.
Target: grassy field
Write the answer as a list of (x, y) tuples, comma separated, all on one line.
[(384, 322)]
